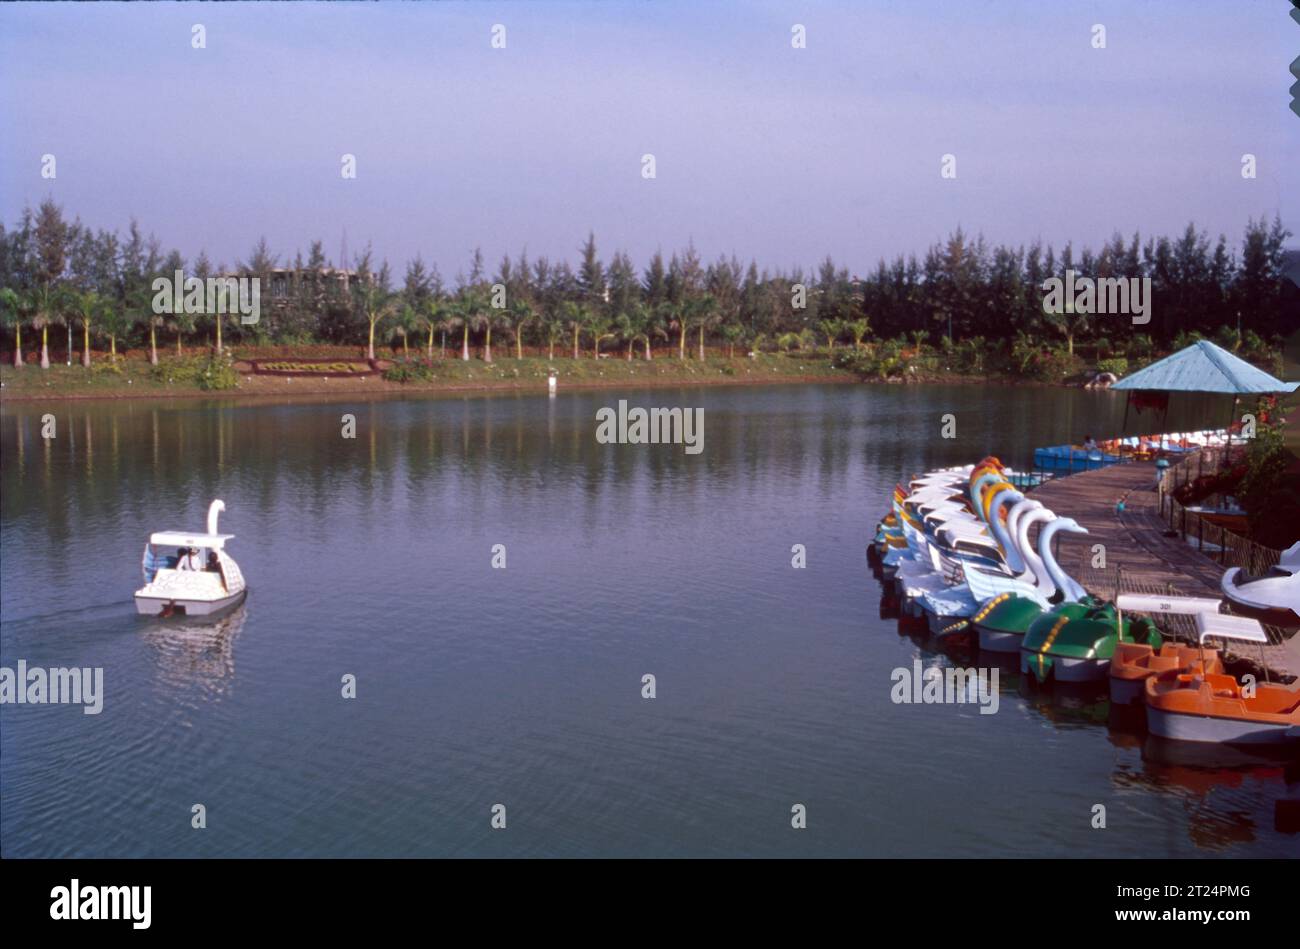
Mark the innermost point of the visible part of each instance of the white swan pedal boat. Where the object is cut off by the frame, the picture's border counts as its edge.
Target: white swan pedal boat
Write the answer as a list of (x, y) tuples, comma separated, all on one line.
[(190, 574), (1272, 597)]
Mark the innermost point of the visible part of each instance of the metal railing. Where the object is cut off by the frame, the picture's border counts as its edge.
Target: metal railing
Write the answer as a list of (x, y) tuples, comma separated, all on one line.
[(1173, 625), (1213, 540)]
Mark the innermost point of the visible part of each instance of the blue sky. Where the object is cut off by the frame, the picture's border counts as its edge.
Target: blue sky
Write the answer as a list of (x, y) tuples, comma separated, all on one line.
[(762, 150)]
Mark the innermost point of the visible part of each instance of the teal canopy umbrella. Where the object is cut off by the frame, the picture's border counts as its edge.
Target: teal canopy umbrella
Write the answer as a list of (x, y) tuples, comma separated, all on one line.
[(1205, 367), (1201, 367)]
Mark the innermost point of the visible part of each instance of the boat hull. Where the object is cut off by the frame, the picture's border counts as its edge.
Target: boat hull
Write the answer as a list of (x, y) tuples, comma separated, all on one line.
[(158, 606), (1127, 691), (999, 640), (1063, 668), (1186, 726), (939, 625)]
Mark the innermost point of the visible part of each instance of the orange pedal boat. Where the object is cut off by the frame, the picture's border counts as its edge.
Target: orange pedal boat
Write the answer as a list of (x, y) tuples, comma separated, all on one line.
[(1134, 663), (1212, 707), (1195, 706)]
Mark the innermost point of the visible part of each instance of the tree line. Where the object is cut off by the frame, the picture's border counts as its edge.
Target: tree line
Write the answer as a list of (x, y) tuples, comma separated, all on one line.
[(59, 272)]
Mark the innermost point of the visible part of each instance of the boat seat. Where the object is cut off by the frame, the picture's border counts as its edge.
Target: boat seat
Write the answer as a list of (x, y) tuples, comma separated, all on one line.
[(1223, 686)]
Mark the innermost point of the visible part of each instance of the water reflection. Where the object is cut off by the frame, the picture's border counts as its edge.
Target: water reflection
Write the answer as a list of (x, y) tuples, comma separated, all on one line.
[(1204, 778), (194, 661), (370, 555)]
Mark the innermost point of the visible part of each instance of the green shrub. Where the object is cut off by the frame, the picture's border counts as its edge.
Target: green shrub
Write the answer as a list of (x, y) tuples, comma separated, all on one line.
[(1051, 365), (1140, 347), (206, 372), (885, 362), (183, 370), (411, 370), (1265, 490), (218, 372), (1118, 365)]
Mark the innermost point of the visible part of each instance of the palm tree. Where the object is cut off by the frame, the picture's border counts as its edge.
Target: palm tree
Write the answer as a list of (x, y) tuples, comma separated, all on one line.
[(457, 318), (408, 321), (859, 329), (1068, 323), (376, 302), (443, 313), (732, 333), (468, 314), (700, 312), (519, 314), (675, 315), (154, 320), (219, 315), (435, 317), (629, 324), (139, 309), (575, 314), (831, 329), (49, 305), (115, 322), (89, 306), (598, 325), (484, 319), (554, 330), (644, 324), (183, 323), (15, 306)]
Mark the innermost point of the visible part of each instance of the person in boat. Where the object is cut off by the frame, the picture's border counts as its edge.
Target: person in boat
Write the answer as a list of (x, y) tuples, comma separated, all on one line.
[(188, 559), (213, 566), (1090, 443)]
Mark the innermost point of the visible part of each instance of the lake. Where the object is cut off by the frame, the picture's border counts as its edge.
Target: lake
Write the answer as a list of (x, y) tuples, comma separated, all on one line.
[(476, 686)]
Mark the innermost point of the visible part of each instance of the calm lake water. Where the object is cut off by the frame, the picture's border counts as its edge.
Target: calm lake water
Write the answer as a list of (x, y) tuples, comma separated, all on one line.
[(522, 686)]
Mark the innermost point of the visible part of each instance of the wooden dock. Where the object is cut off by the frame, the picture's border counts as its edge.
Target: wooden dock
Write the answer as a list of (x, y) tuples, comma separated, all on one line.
[(1139, 558)]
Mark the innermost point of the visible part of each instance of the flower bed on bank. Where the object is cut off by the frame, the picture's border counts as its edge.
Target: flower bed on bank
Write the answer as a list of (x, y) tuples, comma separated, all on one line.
[(297, 366)]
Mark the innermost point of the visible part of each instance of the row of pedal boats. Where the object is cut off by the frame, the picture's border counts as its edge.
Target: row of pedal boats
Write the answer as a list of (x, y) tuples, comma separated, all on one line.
[(956, 549)]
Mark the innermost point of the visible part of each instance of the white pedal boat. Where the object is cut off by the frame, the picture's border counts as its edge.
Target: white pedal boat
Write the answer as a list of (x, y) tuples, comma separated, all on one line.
[(1272, 598), (190, 574)]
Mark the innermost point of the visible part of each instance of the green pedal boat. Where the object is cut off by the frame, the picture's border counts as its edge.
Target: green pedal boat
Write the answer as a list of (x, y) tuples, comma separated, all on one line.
[(1074, 642)]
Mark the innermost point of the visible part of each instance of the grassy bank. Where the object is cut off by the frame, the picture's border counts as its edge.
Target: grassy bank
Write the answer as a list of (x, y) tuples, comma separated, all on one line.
[(173, 377)]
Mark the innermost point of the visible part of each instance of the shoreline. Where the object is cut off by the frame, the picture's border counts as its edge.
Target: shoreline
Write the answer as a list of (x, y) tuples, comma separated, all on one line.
[(266, 387), (358, 387)]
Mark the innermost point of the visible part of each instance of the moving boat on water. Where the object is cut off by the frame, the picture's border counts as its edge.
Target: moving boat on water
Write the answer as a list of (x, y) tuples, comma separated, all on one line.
[(1272, 598), (1203, 706), (199, 579)]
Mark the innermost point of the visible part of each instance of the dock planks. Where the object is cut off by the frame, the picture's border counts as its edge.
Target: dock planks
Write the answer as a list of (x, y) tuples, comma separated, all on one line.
[(1135, 542)]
